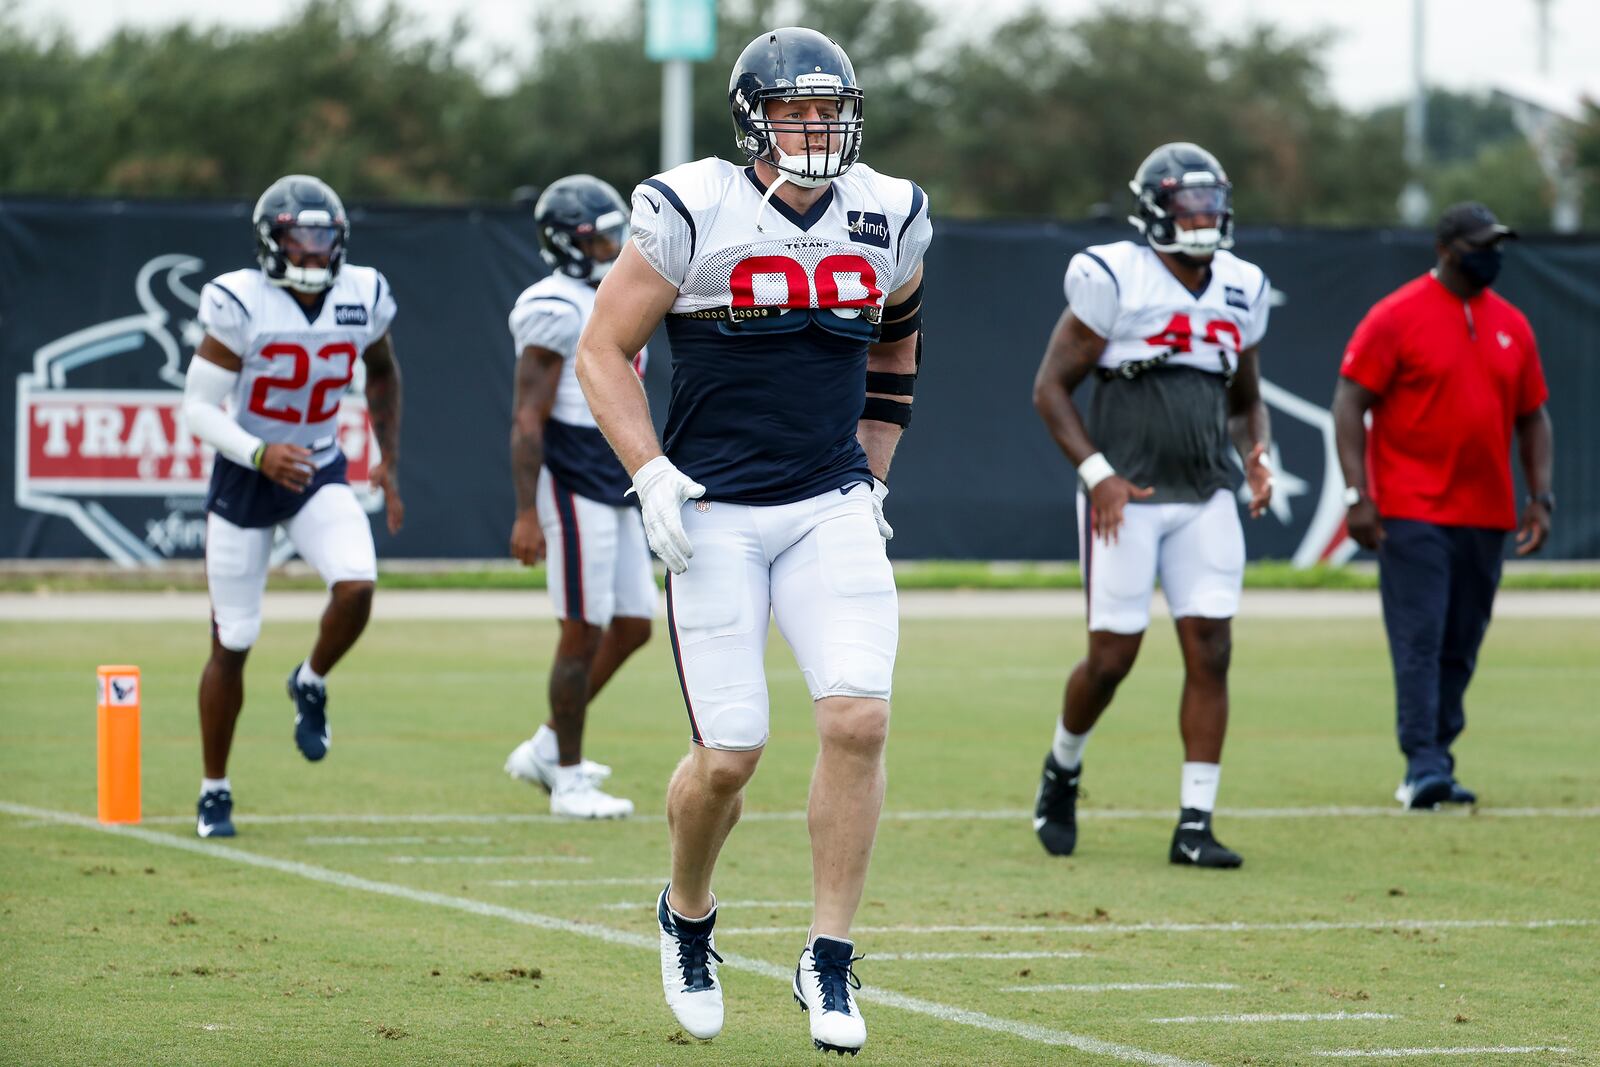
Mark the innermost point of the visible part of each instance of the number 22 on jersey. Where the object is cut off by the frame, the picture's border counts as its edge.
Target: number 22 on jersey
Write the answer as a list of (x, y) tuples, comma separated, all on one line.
[(296, 372)]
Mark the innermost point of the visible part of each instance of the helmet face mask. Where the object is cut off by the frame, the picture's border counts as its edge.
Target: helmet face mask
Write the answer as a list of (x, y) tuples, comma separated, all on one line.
[(1183, 201), (793, 66), (300, 220), (582, 224)]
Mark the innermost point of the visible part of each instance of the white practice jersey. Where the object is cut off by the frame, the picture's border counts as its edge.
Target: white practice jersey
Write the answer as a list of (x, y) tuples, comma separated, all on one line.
[(775, 312), (1126, 294), (297, 365), (551, 314), (862, 239)]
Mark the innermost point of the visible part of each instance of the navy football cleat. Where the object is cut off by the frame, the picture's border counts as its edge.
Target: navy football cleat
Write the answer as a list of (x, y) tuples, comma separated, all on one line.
[(689, 969), (311, 734), (215, 812), (1055, 807), (1425, 793), (822, 983), (1193, 844)]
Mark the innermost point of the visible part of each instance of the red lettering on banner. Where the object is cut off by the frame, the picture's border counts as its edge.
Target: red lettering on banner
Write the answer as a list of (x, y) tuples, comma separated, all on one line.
[(100, 443)]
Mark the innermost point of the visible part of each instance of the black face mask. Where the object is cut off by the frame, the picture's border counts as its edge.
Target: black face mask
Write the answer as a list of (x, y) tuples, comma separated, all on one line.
[(1481, 266)]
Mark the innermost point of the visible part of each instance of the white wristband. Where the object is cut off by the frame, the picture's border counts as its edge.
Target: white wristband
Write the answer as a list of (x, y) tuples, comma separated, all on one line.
[(1095, 470)]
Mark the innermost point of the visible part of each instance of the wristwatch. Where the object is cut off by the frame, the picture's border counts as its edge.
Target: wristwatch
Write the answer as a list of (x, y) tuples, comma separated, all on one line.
[(1352, 496), (1547, 499)]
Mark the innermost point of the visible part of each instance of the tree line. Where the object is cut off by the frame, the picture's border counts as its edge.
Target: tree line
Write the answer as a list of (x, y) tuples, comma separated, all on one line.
[(1035, 116)]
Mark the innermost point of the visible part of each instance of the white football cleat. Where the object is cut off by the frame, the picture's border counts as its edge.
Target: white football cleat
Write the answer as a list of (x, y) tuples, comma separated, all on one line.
[(524, 763), (689, 969), (576, 796), (822, 984)]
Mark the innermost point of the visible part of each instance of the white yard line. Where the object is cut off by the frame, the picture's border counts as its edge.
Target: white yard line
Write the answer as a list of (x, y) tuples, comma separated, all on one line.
[(1398, 1053), (1113, 987), (1284, 1017), (873, 995), (661, 881), (448, 860), (879, 957), (940, 815), (1314, 926), (398, 840), (528, 606), (649, 905)]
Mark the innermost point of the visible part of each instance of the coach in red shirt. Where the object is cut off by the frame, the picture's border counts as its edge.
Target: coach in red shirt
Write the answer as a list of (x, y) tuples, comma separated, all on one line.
[(1448, 369)]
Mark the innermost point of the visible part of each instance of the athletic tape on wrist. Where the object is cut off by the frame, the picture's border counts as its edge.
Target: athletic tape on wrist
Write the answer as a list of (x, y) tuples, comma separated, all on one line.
[(1095, 470)]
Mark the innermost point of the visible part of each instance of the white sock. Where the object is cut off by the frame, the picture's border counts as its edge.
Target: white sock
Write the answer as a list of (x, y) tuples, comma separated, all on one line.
[(544, 744), (1199, 789), (1068, 746), (214, 785), (307, 676)]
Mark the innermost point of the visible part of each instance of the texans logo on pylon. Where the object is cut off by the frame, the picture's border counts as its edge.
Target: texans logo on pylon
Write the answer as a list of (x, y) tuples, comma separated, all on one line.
[(100, 434)]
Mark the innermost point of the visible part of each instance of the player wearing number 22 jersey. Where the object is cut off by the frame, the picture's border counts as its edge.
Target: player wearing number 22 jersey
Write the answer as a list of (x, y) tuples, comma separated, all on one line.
[(791, 290), (283, 343)]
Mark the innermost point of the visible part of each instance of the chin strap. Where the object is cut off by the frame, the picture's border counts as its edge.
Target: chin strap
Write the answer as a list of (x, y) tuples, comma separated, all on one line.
[(767, 199)]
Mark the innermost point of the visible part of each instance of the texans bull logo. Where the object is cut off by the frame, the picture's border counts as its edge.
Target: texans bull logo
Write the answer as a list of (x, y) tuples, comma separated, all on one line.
[(100, 434)]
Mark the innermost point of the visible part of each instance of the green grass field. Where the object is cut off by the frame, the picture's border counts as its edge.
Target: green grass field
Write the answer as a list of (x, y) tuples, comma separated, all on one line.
[(450, 927)]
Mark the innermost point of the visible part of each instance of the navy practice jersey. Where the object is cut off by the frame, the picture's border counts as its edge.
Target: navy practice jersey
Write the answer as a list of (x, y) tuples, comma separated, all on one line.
[(771, 327), (551, 314)]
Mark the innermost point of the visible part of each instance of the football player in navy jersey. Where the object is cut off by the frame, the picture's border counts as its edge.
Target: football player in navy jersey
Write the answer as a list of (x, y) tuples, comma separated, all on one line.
[(570, 493), (1171, 326), (281, 347), (791, 290)]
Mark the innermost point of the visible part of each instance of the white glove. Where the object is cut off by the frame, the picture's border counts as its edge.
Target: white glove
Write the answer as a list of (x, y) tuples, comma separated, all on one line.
[(662, 490), (879, 491)]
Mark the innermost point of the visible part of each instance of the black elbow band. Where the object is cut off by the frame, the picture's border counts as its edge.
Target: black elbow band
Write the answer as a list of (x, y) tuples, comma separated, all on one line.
[(879, 381), (900, 330), (906, 306), (903, 319), (882, 409)]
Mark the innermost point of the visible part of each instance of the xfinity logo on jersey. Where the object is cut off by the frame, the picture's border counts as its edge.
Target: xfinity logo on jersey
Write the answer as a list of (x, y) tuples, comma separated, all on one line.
[(118, 462), (868, 228), (350, 314)]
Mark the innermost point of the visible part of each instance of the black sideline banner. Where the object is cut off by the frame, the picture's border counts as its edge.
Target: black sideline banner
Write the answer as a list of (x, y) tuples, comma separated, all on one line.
[(97, 307)]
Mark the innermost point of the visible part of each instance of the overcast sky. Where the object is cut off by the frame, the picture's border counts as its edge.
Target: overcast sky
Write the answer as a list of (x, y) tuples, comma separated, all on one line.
[(1471, 44)]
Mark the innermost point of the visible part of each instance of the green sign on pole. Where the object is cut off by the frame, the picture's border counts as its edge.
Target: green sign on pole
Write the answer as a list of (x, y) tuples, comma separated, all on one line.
[(680, 29)]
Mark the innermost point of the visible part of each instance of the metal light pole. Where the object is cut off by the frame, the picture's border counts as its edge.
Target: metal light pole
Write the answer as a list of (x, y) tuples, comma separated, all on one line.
[(1544, 37), (1414, 202), (677, 33), (677, 112)]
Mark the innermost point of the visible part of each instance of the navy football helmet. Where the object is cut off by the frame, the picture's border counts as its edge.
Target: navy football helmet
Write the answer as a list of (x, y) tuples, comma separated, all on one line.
[(582, 225), (300, 215), (1177, 181), (784, 64)]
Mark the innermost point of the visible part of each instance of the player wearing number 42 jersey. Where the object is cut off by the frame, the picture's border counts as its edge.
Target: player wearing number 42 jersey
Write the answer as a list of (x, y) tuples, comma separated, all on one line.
[(282, 345), (1171, 328), (791, 291)]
